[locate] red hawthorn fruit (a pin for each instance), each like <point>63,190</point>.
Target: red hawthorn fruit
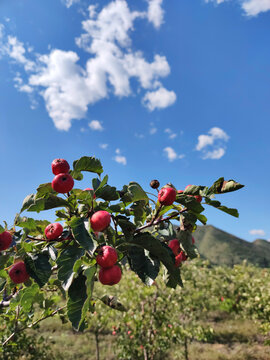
<point>180,191</point>
<point>5,240</point>
<point>107,256</point>
<point>222,298</point>
<point>89,189</point>
<point>114,333</point>
<point>60,166</point>
<point>100,220</point>
<point>53,231</point>
<point>18,273</point>
<point>198,198</point>
<point>180,258</point>
<point>175,246</point>
<point>110,276</point>
<point>62,183</point>
<point>166,196</point>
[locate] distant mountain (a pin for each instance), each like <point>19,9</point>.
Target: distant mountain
<point>222,248</point>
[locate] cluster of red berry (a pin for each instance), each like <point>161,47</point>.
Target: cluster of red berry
<point>110,273</point>
<point>179,254</point>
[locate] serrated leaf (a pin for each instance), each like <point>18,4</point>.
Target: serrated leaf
<point>88,163</point>
<point>28,201</point>
<point>45,189</point>
<point>185,239</point>
<point>190,203</point>
<point>80,234</point>
<point>201,218</point>
<point>38,267</point>
<point>50,202</point>
<point>77,296</point>
<point>161,252</point>
<point>222,186</point>
<point>137,192</point>
<point>53,252</point>
<point>89,273</point>
<point>194,190</point>
<point>107,193</point>
<point>113,302</point>
<point>28,297</point>
<point>217,205</point>
<point>145,267</point>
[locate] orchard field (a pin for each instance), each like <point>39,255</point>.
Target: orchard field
<point>220,313</point>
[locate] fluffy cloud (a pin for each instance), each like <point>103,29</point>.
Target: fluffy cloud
<point>96,125</point>
<point>103,146</point>
<point>255,7</point>
<point>155,12</point>
<point>159,99</point>
<point>171,154</point>
<point>69,3</point>
<point>120,158</point>
<point>212,145</point>
<point>171,134</point>
<point>68,89</point>
<point>250,7</point>
<point>257,232</point>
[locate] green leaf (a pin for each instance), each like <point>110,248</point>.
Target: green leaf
<point>65,263</point>
<point>80,234</point>
<point>45,189</point>
<point>201,218</point>
<point>52,252</point>
<point>161,252</point>
<point>77,296</point>
<point>127,226</point>
<point>1,229</point>
<point>217,205</point>
<point>107,193</point>
<point>50,202</point>
<point>33,226</point>
<point>145,267</point>
<point>86,163</point>
<point>38,267</point>
<point>113,303</point>
<point>2,284</point>
<point>28,201</point>
<point>185,239</point>
<point>190,203</point>
<point>97,184</point>
<point>194,190</point>
<point>89,273</point>
<point>28,297</point>
<point>137,192</point>
<point>222,186</point>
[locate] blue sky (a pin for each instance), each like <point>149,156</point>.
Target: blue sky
<point>173,90</point>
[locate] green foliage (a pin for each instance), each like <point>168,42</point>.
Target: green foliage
<point>65,268</point>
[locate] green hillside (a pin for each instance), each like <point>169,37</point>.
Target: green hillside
<point>222,248</point>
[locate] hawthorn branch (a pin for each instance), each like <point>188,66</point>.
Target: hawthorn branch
<point>32,325</point>
<point>160,220</point>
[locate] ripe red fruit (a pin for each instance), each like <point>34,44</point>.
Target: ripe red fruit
<point>175,246</point>
<point>180,258</point>
<point>18,273</point>
<point>198,198</point>
<point>62,183</point>
<point>107,256</point>
<point>5,240</point>
<point>110,276</point>
<point>53,231</point>
<point>166,196</point>
<point>180,191</point>
<point>100,220</point>
<point>60,166</point>
<point>187,186</point>
<point>89,189</point>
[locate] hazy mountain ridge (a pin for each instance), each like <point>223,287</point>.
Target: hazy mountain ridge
<point>222,248</point>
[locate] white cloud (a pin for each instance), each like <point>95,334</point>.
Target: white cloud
<point>103,146</point>
<point>155,12</point>
<point>68,88</point>
<point>250,7</point>
<point>96,125</point>
<point>159,99</point>
<point>171,154</point>
<point>153,130</point>
<point>215,140</point>
<point>139,136</point>
<point>255,7</point>
<point>120,158</point>
<point>171,134</point>
<point>69,3</point>
<point>257,232</point>
<point>15,49</point>
<point>214,154</point>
